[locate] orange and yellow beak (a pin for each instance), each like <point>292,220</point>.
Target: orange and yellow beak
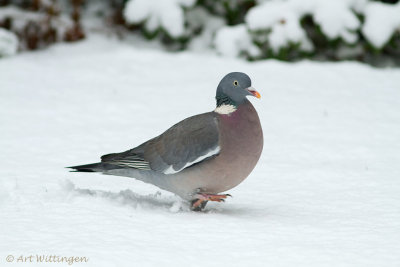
<point>253,91</point>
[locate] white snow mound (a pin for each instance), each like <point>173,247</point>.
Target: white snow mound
<point>231,41</point>
<point>166,14</point>
<point>8,43</point>
<point>381,21</point>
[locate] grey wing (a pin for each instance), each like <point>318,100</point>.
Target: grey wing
<point>129,159</point>
<point>188,142</point>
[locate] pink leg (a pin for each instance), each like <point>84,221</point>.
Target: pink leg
<point>200,200</point>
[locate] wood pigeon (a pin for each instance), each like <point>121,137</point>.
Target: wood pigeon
<point>201,156</point>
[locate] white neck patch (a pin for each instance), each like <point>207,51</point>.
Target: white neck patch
<point>225,109</point>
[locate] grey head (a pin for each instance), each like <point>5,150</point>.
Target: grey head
<point>233,89</point>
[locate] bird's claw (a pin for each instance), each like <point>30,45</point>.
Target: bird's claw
<point>200,200</point>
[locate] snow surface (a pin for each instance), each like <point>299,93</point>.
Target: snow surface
<point>325,192</point>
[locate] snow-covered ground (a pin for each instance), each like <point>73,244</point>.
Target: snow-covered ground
<point>326,191</point>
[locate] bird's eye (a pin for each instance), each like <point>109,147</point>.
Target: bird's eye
<point>235,83</point>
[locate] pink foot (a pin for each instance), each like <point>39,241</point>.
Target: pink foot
<point>200,200</point>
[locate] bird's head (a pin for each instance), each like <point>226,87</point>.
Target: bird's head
<point>233,89</point>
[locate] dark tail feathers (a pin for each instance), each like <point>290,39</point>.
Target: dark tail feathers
<point>94,167</point>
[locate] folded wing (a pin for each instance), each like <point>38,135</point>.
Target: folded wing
<point>188,142</point>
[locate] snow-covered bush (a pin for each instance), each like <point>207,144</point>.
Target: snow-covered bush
<point>282,21</point>
<point>200,21</point>
<point>184,20</point>
<point>280,26</point>
<point>340,29</point>
<point>158,16</point>
<point>382,21</point>
<point>37,23</point>
<point>232,11</point>
<point>8,43</point>
<point>234,41</point>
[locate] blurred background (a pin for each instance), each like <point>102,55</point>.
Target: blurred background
<point>290,30</point>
